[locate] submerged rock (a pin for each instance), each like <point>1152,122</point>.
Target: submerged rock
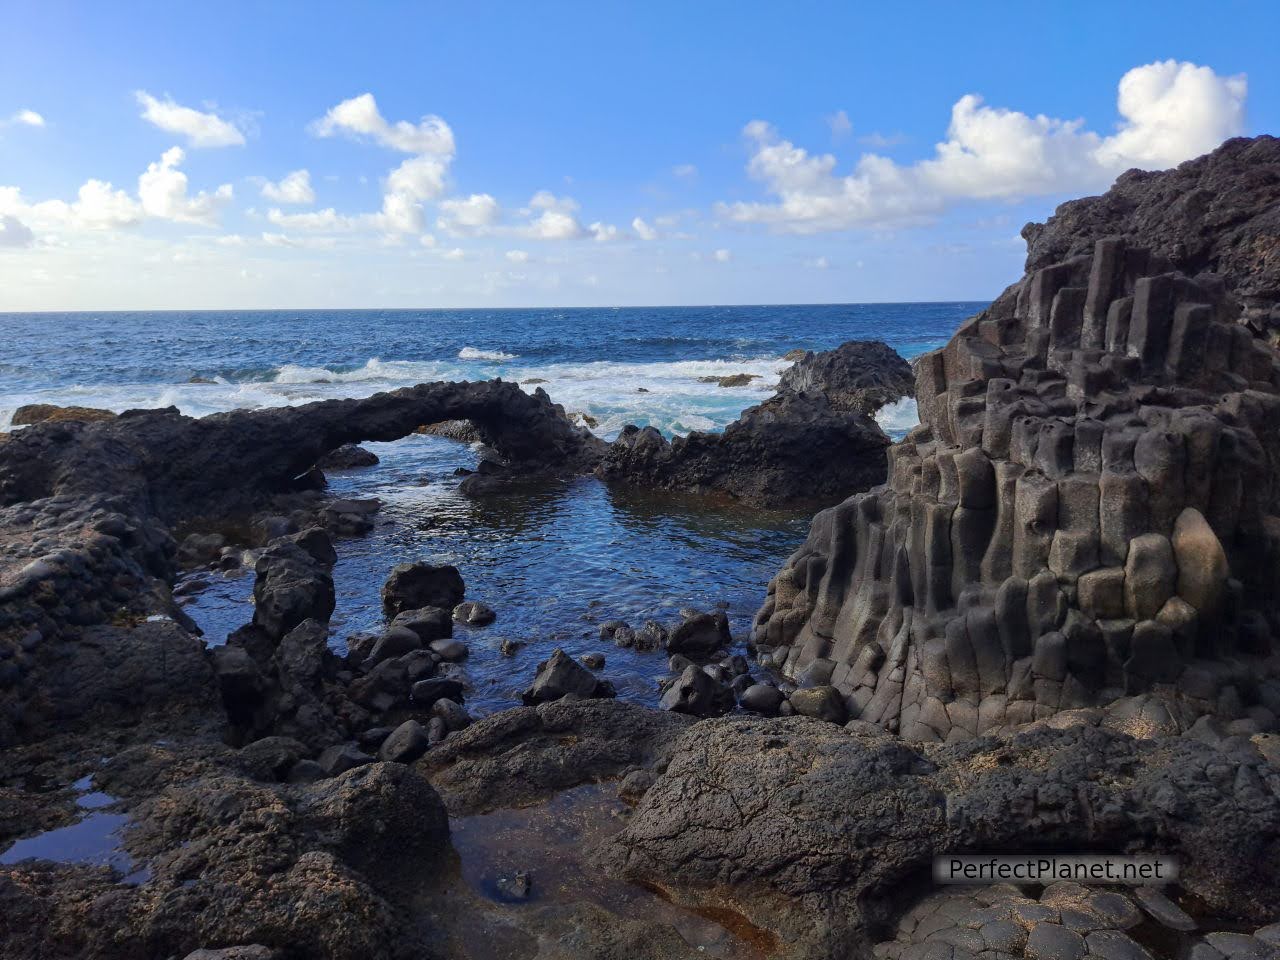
<point>474,614</point>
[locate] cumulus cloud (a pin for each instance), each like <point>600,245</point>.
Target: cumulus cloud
<point>604,232</point>
<point>419,178</point>
<point>327,220</point>
<point>518,256</point>
<point>1170,112</point>
<point>360,117</point>
<point>473,214</point>
<point>15,233</point>
<point>27,118</point>
<point>200,129</point>
<point>162,190</point>
<point>685,171</point>
<point>643,230</point>
<point>294,188</point>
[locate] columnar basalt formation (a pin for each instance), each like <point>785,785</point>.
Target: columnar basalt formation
<point>1086,511</point>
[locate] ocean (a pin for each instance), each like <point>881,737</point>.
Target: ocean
<point>555,562</point>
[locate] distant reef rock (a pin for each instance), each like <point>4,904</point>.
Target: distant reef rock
<point>812,443</point>
<point>49,413</point>
<point>1088,509</point>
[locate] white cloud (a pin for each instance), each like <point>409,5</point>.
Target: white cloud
<point>100,205</point>
<point>294,188</point>
<point>200,129</point>
<point>360,117</point>
<point>15,233</point>
<point>643,230</point>
<point>685,171</point>
<point>473,214</point>
<point>517,256</point>
<point>457,253</point>
<point>722,256</point>
<point>840,124</point>
<point>27,118</point>
<point>604,232</point>
<point>554,225</point>
<point>162,189</point>
<point>1171,112</point>
<point>327,220</point>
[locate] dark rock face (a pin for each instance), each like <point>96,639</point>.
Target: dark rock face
<point>861,375</point>
<point>698,693</point>
<point>293,584</point>
<point>701,635</point>
<point>792,448</point>
<point>561,676</point>
<point>1022,560</point>
<point>521,755</point>
<point>811,443</point>
<point>221,464</point>
<point>347,457</point>
<point>413,586</point>
<point>1219,213</point>
<point>810,830</point>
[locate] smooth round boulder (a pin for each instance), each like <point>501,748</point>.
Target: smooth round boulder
<point>821,703</point>
<point>761,698</point>
<point>406,743</point>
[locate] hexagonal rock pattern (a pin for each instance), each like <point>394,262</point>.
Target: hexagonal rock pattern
<point>1085,512</point>
<point>1066,921</point>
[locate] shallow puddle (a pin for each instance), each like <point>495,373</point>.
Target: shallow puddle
<point>538,856</point>
<point>93,840</point>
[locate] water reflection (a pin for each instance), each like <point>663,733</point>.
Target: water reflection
<point>555,560</point>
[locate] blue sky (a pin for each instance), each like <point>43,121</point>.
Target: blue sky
<point>584,153</point>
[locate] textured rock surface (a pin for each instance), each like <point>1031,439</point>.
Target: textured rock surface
<point>793,448</point>
<point>1220,212</point>
<point>813,831</point>
<point>861,375</point>
<point>1087,510</point>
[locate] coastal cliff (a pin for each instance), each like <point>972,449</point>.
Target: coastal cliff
<point>1088,509</point>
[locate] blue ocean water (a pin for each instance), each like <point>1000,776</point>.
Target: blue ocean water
<point>556,561</point>
<point>594,361</point>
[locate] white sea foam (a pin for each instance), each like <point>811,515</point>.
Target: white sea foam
<point>899,417</point>
<point>667,395</point>
<point>471,353</point>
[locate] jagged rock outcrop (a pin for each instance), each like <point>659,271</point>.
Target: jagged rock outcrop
<point>861,375</point>
<point>1087,510</point>
<point>183,468</point>
<point>1219,213</point>
<point>793,448</point>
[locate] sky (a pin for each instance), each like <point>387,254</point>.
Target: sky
<point>313,155</point>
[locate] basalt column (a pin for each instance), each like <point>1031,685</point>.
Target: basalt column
<point>1086,511</point>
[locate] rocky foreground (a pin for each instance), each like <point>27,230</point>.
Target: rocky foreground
<point>1050,629</point>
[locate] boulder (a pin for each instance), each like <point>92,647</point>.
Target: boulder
<point>429,623</point>
<point>291,586</point>
<point>406,743</point>
<point>559,676</point>
<point>347,457</point>
<point>474,614</point>
<point>697,693</point>
<point>700,635</point>
<point>821,703</point>
<point>412,586</point>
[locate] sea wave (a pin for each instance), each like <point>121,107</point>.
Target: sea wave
<point>472,353</point>
<point>898,418</point>
<point>374,370</point>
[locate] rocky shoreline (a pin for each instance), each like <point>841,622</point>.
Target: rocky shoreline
<point>1042,623</point>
